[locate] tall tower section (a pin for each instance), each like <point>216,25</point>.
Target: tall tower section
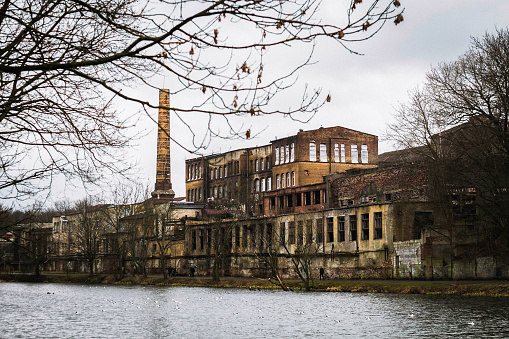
<point>163,188</point>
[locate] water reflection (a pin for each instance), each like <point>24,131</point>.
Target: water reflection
<point>74,311</point>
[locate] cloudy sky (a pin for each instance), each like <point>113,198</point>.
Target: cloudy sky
<point>365,89</point>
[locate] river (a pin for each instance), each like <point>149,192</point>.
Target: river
<point>32,310</point>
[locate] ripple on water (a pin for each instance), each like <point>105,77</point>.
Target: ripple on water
<point>74,311</point>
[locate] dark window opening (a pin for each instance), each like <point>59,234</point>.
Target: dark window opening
<point>330,229</point>
<point>319,231</point>
<point>316,197</point>
<point>353,227</point>
<point>244,236</point>
<point>365,226</point>
<point>282,233</point>
<point>269,235</point>
<point>341,228</point>
<point>307,198</point>
<point>298,199</point>
<point>300,232</point>
<point>289,201</point>
<point>272,203</point>
<point>421,221</point>
<point>309,231</point>
<point>378,226</point>
<point>291,232</point>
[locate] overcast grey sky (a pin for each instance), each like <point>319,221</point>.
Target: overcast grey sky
<point>364,89</point>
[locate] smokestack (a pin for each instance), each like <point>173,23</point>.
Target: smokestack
<point>163,167</point>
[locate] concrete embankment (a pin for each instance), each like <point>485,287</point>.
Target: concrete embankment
<point>463,288</point>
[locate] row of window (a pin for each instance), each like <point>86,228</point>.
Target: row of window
<point>339,153</point>
<point>194,172</point>
<point>293,233</point>
<point>194,194</point>
<point>282,180</point>
<point>262,184</point>
<point>284,154</point>
<point>299,235</point>
<point>261,164</point>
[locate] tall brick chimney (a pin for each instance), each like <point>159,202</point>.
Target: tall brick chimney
<point>163,171</point>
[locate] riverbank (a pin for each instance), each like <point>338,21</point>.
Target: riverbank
<point>460,288</point>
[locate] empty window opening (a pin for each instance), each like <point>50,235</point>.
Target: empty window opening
<point>365,226</point>
<point>353,227</point>
<point>341,228</point>
<point>330,229</point>
<point>378,226</point>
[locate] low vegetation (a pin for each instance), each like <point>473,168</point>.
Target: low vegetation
<point>458,288</point>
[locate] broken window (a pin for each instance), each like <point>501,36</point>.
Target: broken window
<point>257,185</point>
<point>289,201</point>
<point>298,199</point>
<point>276,162</point>
<point>287,159</point>
<point>272,202</point>
<point>378,225</point>
<point>193,240</point>
<point>267,162</point>
<point>309,231</point>
<point>282,233</point>
<point>237,236</point>
<point>256,165</point>
<point>312,151</point>
<point>365,226</point>
<point>261,164</point>
<point>319,231</point>
<point>269,235</point>
<point>353,227</point>
<point>330,229</point>
<point>421,221</point>
<point>323,153</point>
<point>244,236</point>
<point>300,232</point>
<point>292,152</point>
<point>316,197</point>
<point>341,228</point>
<point>307,198</point>
<point>291,232</point>
<point>354,156</point>
<point>364,154</point>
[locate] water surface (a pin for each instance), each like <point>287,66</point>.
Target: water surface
<point>31,310</point>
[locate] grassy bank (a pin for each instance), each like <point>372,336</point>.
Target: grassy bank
<point>461,288</point>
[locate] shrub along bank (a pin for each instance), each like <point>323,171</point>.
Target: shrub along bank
<point>462,288</point>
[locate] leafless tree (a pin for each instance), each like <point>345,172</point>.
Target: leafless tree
<point>125,199</point>
<point>64,64</point>
<point>89,232</point>
<point>458,123</point>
